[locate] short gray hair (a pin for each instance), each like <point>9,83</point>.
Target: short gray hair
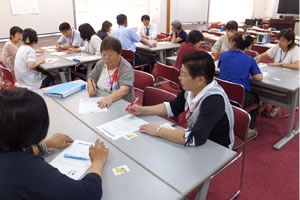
<point>176,24</point>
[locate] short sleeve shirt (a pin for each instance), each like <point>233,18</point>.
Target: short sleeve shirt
<point>182,34</point>
<point>278,56</point>
<point>127,37</point>
<point>74,40</point>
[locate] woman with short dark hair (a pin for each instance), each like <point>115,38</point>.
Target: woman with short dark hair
<point>112,74</point>
<point>106,28</point>
<point>92,46</point>
<point>202,102</point>
<point>23,173</point>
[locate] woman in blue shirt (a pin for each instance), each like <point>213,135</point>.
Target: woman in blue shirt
<point>236,66</point>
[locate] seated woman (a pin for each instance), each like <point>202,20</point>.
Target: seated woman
<point>193,42</point>
<point>236,66</point>
<point>112,74</point>
<point>106,28</point>
<point>23,173</point>
<point>222,44</point>
<point>285,54</point>
<point>92,46</point>
<point>204,104</point>
<point>10,48</point>
<point>26,67</point>
<point>178,35</point>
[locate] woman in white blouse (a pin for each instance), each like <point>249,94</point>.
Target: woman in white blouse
<point>92,46</point>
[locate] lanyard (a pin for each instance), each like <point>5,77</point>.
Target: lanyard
<point>72,37</point>
<point>183,118</point>
<point>281,59</point>
<point>114,76</point>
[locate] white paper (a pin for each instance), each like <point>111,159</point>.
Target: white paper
<point>122,126</point>
<point>21,7</point>
<point>49,47</point>
<point>74,57</point>
<point>61,53</point>
<point>89,105</point>
<point>261,65</point>
<point>51,50</point>
<point>51,60</point>
<point>73,168</point>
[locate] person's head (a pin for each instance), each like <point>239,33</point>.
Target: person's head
<point>146,20</point>
<point>15,34</point>
<point>198,70</point>
<point>86,31</point>
<point>111,50</point>
<point>240,42</point>
<point>231,28</point>
<point>176,26</point>
<point>195,37</point>
<point>122,20</point>
<point>24,119</point>
<point>106,27</point>
<point>286,38</point>
<point>29,36</point>
<point>65,29</point>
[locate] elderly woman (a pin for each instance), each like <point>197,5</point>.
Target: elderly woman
<point>285,54</point>
<point>23,173</point>
<point>222,44</point>
<point>203,104</point>
<point>112,74</point>
<point>178,35</point>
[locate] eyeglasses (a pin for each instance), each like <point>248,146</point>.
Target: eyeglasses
<point>183,74</point>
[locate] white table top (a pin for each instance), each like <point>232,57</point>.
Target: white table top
<point>137,184</point>
<point>60,63</point>
<point>159,46</point>
<point>183,168</point>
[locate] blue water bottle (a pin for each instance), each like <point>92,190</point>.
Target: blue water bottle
<point>222,28</point>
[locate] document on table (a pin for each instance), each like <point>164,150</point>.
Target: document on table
<point>60,53</point>
<point>49,47</point>
<point>51,60</point>
<point>122,126</point>
<point>73,168</point>
<point>89,105</point>
<point>78,57</point>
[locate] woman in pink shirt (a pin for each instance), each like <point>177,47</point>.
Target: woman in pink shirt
<point>10,48</point>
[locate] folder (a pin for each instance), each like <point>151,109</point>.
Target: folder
<point>64,90</point>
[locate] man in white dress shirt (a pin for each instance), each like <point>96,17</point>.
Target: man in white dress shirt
<point>148,30</point>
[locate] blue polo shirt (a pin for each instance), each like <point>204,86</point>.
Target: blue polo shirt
<point>127,37</point>
<point>236,66</point>
<point>182,34</point>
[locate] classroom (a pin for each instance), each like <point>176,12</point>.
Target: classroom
<point>149,99</point>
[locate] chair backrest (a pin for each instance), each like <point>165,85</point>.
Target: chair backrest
<point>129,56</point>
<point>241,123</point>
<point>168,72</point>
<point>214,26</point>
<point>234,91</point>
<point>153,96</point>
<point>6,74</point>
<point>142,79</point>
<point>251,53</point>
<point>161,36</point>
<point>220,25</point>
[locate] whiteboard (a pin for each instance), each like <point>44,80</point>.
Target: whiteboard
<point>51,14</point>
<point>189,10</point>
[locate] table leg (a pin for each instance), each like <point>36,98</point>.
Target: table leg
<point>203,189</point>
<point>62,76</point>
<point>162,57</point>
<point>290,132</point>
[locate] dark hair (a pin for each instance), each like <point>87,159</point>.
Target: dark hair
<point>145,17</point>
<point>64,26</point>
<point>29,36</point>
<point>241,41</point>
<point>105,26</point>
<point>13,30</point>
<point>111,43</point>
<point>121,19</point>
<point>232,25</point>
<point>194,36</point>
<point>199,63</point>
<point>289,35</point>
<point>86,31</point>
<point>24,119</point>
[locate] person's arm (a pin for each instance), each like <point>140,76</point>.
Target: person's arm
<point>255,71</point>
<point>258,77</point>
<point>262,56</point>
<point>159,109</point>
<point>145,42</point>
<point>294,65</point>
<point>116,95</point>
<point>216,49</point>
<point>91,87</point>
<point>33,65</point>
<point>165,39</point>
<point>74,50</point>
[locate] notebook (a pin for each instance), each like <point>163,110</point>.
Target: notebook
<point>64,90</point>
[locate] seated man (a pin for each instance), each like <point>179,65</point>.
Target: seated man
<point>128,38</point>
<point>178,35</point>
<point>70,38</point>
<point>148,30</point>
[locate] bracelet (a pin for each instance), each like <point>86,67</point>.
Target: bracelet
<point>157,130</point>
<point>43,149</point>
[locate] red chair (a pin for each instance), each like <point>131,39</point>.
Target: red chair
<point>265,26</point>
<point>154,96</point>
<point>218,34</point>
<point>260,49</point>
<point>169,75</point>
<point>220,25</point>
<point>161,36</point>
<point>141,80</point>
<point>214,26</point>
<point>129,56</point>
<point>251,53</point>
<point>8,77</point>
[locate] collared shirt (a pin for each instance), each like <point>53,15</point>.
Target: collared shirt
<point>289,57</point>
<point>184,48</point>
<point>221,44</point>
<point>8,55</point>
<point>74,40</point>
<point>127,37</point>
<point>93,46</point>
<point>182,34</point>
<point>142,30</point>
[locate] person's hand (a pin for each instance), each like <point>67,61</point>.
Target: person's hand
<point>153,44</point>
<point>145,37</point>
<point>91,87</point>
<point>158,40</point>
<point>71,50</point>
<point>42,60</point>
<point>58,140</point>
<point>40,51</point>
<point>150,129</point>
<point>105,102</point>
<point>275,64</point>
<point>98,152</point>
<point>134,109</point>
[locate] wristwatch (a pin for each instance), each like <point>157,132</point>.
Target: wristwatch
<point>43,149</point>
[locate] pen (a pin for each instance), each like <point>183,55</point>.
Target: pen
<point>92,84</point>
<point>75,157</point>
<point>136,99</point>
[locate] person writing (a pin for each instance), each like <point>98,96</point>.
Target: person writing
<point>70,38</point>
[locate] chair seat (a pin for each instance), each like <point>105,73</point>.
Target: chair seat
<point>253,106</point>
<point>168,87</point>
